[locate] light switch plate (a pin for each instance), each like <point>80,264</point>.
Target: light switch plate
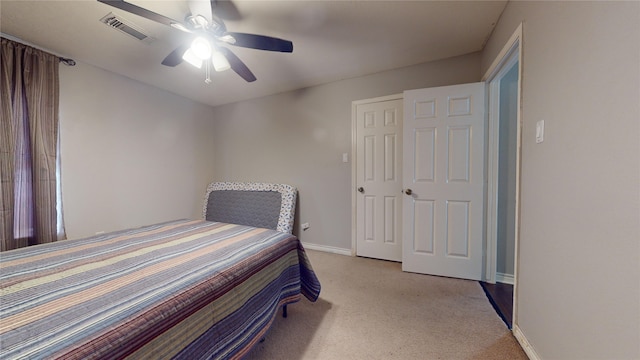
<point>539,131</point>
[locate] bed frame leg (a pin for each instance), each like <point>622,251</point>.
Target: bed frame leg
<point>284,311</point>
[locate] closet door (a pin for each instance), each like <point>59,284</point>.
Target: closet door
<point>378,127</point>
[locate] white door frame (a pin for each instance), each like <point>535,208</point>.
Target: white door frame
<point>511,52</point>
<point>354,178</point>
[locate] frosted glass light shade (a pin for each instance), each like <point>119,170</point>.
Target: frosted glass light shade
<point>192,59</point>
<point>220,62</point>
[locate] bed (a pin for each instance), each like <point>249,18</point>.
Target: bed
<point>188,289</point>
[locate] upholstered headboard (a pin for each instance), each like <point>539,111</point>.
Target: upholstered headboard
<point>263,205</point>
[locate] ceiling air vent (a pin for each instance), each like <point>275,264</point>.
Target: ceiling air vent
<point>125,26</point>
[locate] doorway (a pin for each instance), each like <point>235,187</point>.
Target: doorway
<point>501,292</point>
<point>503,179</point>
<point>507,152</point>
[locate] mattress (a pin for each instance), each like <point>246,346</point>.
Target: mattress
<point>187,289</point>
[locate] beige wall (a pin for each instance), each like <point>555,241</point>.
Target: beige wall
<point>299,138</point>
<point>131,154</point>
<point>579,258</point>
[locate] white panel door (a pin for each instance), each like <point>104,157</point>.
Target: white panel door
<point>379,180</point>
<point>443,181</point>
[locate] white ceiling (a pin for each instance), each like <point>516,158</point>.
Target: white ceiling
<point>332,40</point>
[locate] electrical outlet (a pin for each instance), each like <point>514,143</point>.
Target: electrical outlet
<point>305,226</point>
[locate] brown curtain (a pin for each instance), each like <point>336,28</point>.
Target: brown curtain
<point>28,138</point>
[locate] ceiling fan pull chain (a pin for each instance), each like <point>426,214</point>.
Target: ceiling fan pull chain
<point>207,69</point>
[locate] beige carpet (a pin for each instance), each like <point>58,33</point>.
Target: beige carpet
<point>370,309</point>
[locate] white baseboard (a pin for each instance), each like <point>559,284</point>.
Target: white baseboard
<point>329,249</point>
<point>504,278</point>
<point>524,343</point>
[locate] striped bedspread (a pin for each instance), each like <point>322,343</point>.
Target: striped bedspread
<point>182,289</point>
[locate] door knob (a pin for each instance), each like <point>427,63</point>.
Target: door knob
<point>361,189</point>
<point>408,192</point>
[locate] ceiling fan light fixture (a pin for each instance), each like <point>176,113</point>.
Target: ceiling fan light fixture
<point>220,63</point>
<point>192,59</point>
<point>212,30</point>
<point>201,48</point>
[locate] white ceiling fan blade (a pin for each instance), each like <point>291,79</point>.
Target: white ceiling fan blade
<point>200,7</point>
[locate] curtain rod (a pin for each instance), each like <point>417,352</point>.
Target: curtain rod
<point>64,60</point>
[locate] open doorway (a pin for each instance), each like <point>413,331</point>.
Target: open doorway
<point>506,180</point>
<point>501,292</point>
<point>503,171</point>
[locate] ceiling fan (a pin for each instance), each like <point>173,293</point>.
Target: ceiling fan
<point>207,32</point>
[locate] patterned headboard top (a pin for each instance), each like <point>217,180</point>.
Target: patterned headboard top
<point>264,205</point>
